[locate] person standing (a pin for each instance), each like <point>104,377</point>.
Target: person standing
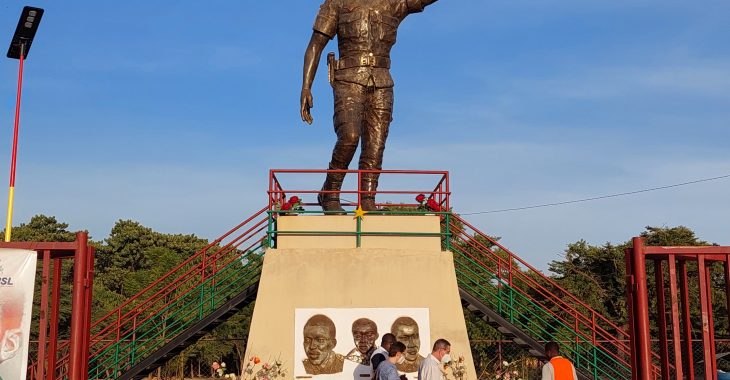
<point>431,367</point>
<point>558,367</point>
<point>381,353</point>
<point>386,370</point>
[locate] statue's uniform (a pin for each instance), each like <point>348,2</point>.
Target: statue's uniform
<point>363,87</point>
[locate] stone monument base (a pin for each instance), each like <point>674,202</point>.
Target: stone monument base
<point>411,292</point>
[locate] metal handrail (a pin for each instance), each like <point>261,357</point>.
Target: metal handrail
<point>592,321</point>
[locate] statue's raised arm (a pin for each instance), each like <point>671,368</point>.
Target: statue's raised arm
<point>362,84</point>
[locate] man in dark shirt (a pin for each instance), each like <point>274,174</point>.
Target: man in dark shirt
<point>381,353</point>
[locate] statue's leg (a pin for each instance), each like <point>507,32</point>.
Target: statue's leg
<point>378,115</point>
<point>349,107</point>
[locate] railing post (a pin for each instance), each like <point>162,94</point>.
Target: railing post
<point>358,232</point>
<point>78,307</point>
<point>641,311</point>
<point>676,332</point>
<point>448,232</point>
<point>55,305</point>
<point>686,323</point>
<point>595,344</point>
<point>43,330</point>
<point>706,314</point>
<point>661,309</point>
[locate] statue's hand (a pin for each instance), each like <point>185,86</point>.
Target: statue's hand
<point>306,104</point>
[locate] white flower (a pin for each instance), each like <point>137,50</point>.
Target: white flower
<point>505,363</point>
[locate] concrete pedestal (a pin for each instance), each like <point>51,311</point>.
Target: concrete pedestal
<point>326,275</point>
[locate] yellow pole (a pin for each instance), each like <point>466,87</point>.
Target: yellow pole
<point>9,224</point>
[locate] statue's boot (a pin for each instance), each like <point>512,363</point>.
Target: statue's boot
<point>369,185</point>
<point>330,201</point>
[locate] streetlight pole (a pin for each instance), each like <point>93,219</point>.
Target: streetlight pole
<point>19,48</point>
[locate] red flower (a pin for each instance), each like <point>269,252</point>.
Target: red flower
<point>420,198</point>
<point>256,360</point>
<point>294,199</point>
<point>286,206</point>
<point>432,205</point>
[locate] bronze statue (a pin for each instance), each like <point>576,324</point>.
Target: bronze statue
<point>405,330</point>
<point>364,333</point>
<point>319,340</point>
<point>363,88</point>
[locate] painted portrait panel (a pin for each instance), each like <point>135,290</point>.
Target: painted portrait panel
<point>334,343</point>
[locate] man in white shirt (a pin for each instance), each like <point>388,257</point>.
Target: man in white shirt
<point>431,368</point>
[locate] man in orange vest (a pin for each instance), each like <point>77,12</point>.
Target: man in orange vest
<point>558,368</point>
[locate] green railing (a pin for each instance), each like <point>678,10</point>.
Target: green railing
<point>535,321</point>
<point>445,233</point>
<point>143,325</point>
<point>490,276</point>
<point>195,303</point>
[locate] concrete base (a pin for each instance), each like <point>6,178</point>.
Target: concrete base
<point>343,279</point>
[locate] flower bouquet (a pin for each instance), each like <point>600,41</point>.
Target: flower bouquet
<point>427,205</point>
<point>292,206</point>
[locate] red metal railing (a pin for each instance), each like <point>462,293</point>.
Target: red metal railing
<point>588,324</point>
<point>162,293</point>
<point>676,259</point>
<point>440,191</point>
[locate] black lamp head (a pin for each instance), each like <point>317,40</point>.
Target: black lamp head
<point>25,32</point>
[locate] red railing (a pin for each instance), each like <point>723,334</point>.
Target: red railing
<point>162,292</point>
<point>532,283</point>
<point>674,260</point>
<point>440,192</point>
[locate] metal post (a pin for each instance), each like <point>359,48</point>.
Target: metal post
<point>630,301</point>
<point>43,324</point>
<point>676,332</point>
<point>359,188</point>
<point>706,338</point>
<point>727,285</point>
<point>78,299</point>
<point>55,305</point>
<point>711,320</point>
<point>661,309</point>
<point>686,323</point>
<point>87,311</point>
<point>14,155</point>
<point>641,312</point>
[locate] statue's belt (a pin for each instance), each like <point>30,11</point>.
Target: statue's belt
<point>365,60</point>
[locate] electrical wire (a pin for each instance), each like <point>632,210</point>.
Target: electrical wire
<point>598,197</point>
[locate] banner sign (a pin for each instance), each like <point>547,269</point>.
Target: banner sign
<point>17,279</point>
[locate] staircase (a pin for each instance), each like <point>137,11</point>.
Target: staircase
<point>529,308</point>
<point>178,308</point>
<point>509,294</point>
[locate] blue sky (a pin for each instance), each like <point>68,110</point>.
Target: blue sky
<point>171,113</point>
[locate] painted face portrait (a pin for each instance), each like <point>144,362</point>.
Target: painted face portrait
<point>405,330</point>
<point>319,341</point>
<point>364,333</point>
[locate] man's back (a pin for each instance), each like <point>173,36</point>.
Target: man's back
<point>559,368</point>
<point>386,371</point>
